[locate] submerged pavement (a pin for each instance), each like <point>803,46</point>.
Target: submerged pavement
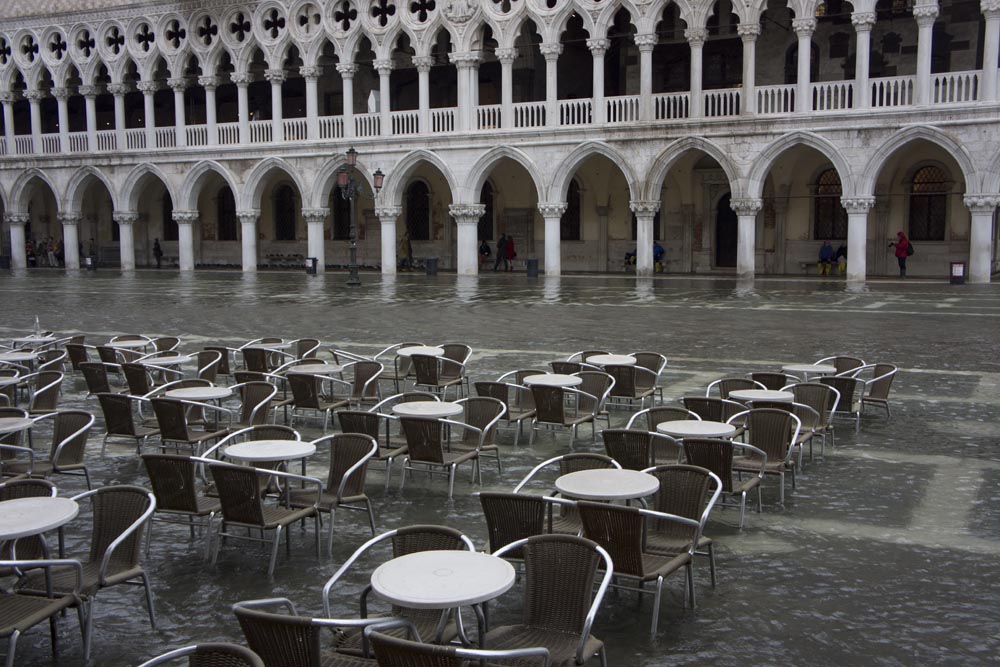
<point>886,553</point>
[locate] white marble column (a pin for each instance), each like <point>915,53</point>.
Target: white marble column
<point>857,236</point>
<point>311,76</point>
<point>148,90</point>
<point>645,214</point>
<point>90,94</point>
<point>863,24</point>
<point>209,84</point>
<point>506,58</point>
<point>178,85</point>
<point>467,247</point>
<point>552,214</point>
<point>981,207</point>
<point>696,40</point>
<point>748,33</point>
<point>276,77</point>
<point>242,81</point>
<point>18,255</point>
<point>925,16</point>
<point>646,43</point>
<point>119,90</point>
<point>248,229</point>
<point>347,72</point>
<point>746,212</point>
<point>387,219</point>
<point>7,100</point>
<point>62,109</point>
<point>598,47</point>
<point>71,238</point>
<point>384,69</point>
<point>185,238</point>
<point>550,51</point>
<point>126,239</point>
<point>35,98</point>
<point>466,113</point>
<point>315,219</point>
<point>423,65</point>
<point>803,86</point>
<point>991,49</point>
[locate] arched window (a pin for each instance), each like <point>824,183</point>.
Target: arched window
<point>225,214</point>
<point>928,204</point>
<point>418,211</point>
<point>829,216</point>
<point>284,213</point>
<point>169,226</point>
<point>486,222</point>
<point>569,224</point>
<point>341,208</point>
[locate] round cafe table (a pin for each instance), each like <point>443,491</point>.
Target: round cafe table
<point>253,451</point>
<point>315,369</point>
<point>611,360</point>
<point>18,357</point>
<point>805,370</point>
<point>690,428</point>
<point>430,409</point>
<point>22,517</point>
<point>268,346</point>
<point>746,395</point>
<point>607,484</point>
<point>129,344</point>
<point>553,380</point>
<point>426,350</point>
<point>33,340</point>
<point>200,393</point>
<point>167,360</point>
<point>15,424</point>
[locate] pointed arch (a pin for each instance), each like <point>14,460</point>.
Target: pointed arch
<point>249,198</point>
<point>675,151</point>
<point>765,160</point>
<point>325,180</point>
<point>16,202</point>
<point>565,171</point>
<point>400,174</point>
<point>72,200</point>
<point>560,21</point>
<point>484,165</point>
<point>866,182</point>
<point>187,199</point>
<point>128,194</point>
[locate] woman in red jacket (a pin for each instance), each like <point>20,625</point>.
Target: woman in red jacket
<point>902,245</point>
<point>510,253</point>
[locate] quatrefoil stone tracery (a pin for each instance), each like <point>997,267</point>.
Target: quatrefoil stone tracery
<point>382,11</point>
<point>345,15</point>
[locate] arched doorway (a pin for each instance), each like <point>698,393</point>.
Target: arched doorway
<point>726,225</point>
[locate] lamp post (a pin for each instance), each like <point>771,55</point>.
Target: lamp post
<point>349,190</point>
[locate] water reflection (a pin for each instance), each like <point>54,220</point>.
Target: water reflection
<point>551,288</point>
<point>467,288</point>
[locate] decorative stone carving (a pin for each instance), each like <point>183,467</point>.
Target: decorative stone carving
<point>388,213</point>
<point>598,47</point>
<point>465,59</point>
<point>926,14</point>
<point>644,208</point>
<point>70,218</point>
<point>248,217</point>
<point>459,11</point>
<point>865,21</point>
<point>857,204</point>
<point>467,212</point>
<point>7,97</point>
<point>208,82</point>
<point>148,87</point>
<point>748,32</point>
<point>178,83</point>
<point>647,41</point>
<point>60,93</point>
<point>119,89</point>
<point>804,27</point>
<point>35,95</point>
<point>313,215</point>
<point>695,36</point>
<point>186,217</point>
<point>980,203</point>
<point>347,70</point>
<point>746,206</point>
<point>17,218</point>
<point>552,209</point>
<point>382,66</point>
<point>241,78</point>
<point>90,91</point>
<point>423,63</point>
<point>125,217</point>
<point>550,50</point>
<point>275,75</point>
<point>310,72</point>
<point>508,56</point>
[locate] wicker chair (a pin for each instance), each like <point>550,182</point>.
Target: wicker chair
<point>633,384</point>
<point>878,386</point>
<point>395,652</point>
<point>570,367</point>
<point>177,498</point>
<point>521,408</point>
<point>255,403</point>
<point>32,546</point>
<point>45,389</point>
<point>208,362</point>
<point>599,384</point>
<point>120,420</point>
<point>772,380</point>
<point>119,517</point>
<point>851,391</point>
<point>426,449</point>
<point>843,364</point>
<point>258,359</point>
<point>225,367</point>
<point>484,413</point>
<point>511,517</point>
<point>716,455</point>
<point>559,605</point>
<point>95,374</point>
<point>655,362</point>
<point>636,449</point>
<point>650,417</point>
<point>305,348</point>
<point>621,531</point>
<point>568,521</point>
<point>209,655</point>
<point>306,395</point>
<point>716,409</point>
<point>78,353</point>
<point>172,420</point>
<point>364,377</point>
<point>561,408</point>
<point>70,429</point>
<point>345,481</point>
<point>775,432</point>
<point>51,360</point>
<point>583,355</point>
<point>438,374</point>
<point>390,446</point>
<point>239,489</point>
<point>824,400</point>
<point>166,343</point>
<point>730,384</point>
<point>407,540</point>
<point>396,370</point>
<point>138,378</point>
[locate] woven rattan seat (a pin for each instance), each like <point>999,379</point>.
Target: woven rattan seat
<point>483,413</point>
<point>120,420</point>
<point>70,430</point>
<point>209,655</point>
<point>426,450</point>
<point>516,399</point>
<point>177,498</point>
<point>390,446</point>
<point>396,652</point>
<point>19,612</point>
<point>773,432</point>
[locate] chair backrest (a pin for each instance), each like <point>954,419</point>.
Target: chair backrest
<point>497,390</point>
<point>255,359</point>
<point>511,517</point>
<point>771,430</point>
<point>209,364</point>
<point>625,380</point>
<point>305,390</point>
<point>239,493</point>
<point>108,355</point>
<point>51,360</point>
<point>223,368</point>
<point>653,361</point>
<point>879,386</point>
<point>364,384</point>
<point>630,447</point>
<point>392,651</point>
<point>27,487</point>
<point>117,409</point>
<point>566,367</point>
<point>46,393</point>
<point>270,432</point>
<point>683,492</point>
<point>70,431</point>
<point>171,418</point>
<point>845,363</point>
<point>818,396</point>
<point>559,574</point>
<point>583,355</point>
<point>173,480</point>
<point>279,639</point>
<point>422,537</point>
<point>360,421</point>
<point>771,380</point>
<point>95,374</point>
<point>730,384</point>
<point>255,397</point>
<point>166,343</point>
<point>708,408</point>
<point>348,450</point>
<point>305,348</point>
<point>849,390</point>
<point>209,654</point>
<point>550,403</point>
<point>118,511</point>
<point>138,379</point>
<point>619,530</point>
<point>426,369</point>
<point>711,454</point>
<point>15,438</point>
<point>481,412</point>
<point>457,352</point>
<point>650,417</point>
<point>567,463</point>
<point>77,353</point>
<point>423,439</point>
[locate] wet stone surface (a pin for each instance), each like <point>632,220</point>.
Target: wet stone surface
<point>886,553</point>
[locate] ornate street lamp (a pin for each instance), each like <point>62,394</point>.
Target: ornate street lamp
<point>349,190</point>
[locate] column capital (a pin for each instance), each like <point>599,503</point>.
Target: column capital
<point>314,215</point>
<point>119,89</point>
<point>177,83</point>
<point>347,70</point>
<point>644,208</point>
<point>125,217</point>
<point>275,75</point>
<point>248,217</point>
<point>507,56</point>
<point>748,32</point>
<point>313,72</point>
<point>70,218</point>
<point>804,27</point>
<point>857,204</point>
<point>7,97</point>
<point>35,95</point>
<point>598,47</point>
<point>646,41</point>
<point>60,93</point>
<point>981,203</point>
<point>89,91</point>
<point>241,79</point>
<point>990,8</point>
<point>208,82</point>
<point>423,63</point>
<point>466,212</point>
<point>551,209</point>
<point>550,50</point>
<point>186,217</point>
<point>382,66</point>
<point>695,36</point>
<point>388,213</point>
<point>746,206</point>
<point>17,218</point>
<point>148,87</point>
<point>865,21</point>
<point>926,14</point>
<point>465,59</point>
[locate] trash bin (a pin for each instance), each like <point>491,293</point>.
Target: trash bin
<point>90,263</point>
<point>531,266</point>
<point>431,265</point>
<point>311,265</point>
<point>958,273</point>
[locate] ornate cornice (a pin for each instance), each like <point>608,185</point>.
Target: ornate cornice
<point>466,212</point>
<point>125,217</point>
<point>981,203</point>
<point>186,217</point>
<point>746,206</point>
<point>551,209</point>
<point>644,208</point>
<point>857,204</point>
<point>315,215</point>
<point>388,214</point>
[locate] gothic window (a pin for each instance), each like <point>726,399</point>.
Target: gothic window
<point>928,204</point>
<point>486,221</point>
<point>341,208</point>
<point>418,211</point>
<point>829,216</point>
<point>284,213</point>
<point>169,226</point>
<point>569,224</point>
<point>225,210</point>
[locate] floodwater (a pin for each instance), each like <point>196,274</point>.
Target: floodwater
<point>885,554</point>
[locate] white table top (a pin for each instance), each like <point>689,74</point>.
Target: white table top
<point>442,579</point>
<point>18,356</point>
<point>167,360</point>
<point>611,360</point>
<point>762,395</point>
<point>30,340</point>
<point>270,450</point>
<point>129,343</point>
<point>427,409</point>
<point>607,484</point>
<point>6,381</point>
<point>269,346</point>
<point>15,424</point>
<point>815,369</point>
<point>200,393</point>
<point>315,369</point>
<point>690,428</point>
<point>420,349</point>
<point>30,516</point>
<point>553,380</point>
